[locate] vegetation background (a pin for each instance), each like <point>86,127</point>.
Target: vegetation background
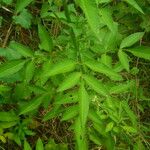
<point>74,74</point>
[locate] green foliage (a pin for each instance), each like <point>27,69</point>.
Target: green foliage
<point>23,19</point>
<point>75,74</point>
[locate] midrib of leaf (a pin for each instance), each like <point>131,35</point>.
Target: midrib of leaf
<point>91,12</point>
<point>5,72</point>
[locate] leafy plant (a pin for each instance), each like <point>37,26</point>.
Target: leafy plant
<point>81,67</point>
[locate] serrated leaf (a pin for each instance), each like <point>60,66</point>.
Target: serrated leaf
<point>107,18</point>
<point>39,144</point>
<point>95,85</point>
<point>134,4</point>
<point>46,42</point>
<point>131,39</point>
<point>27,146</point>
<point>69,97</point>
<point>11,67</point>
<point>8,2</point>
<point>32,105</point>
<point>123,58</point>
<point>53,113</point>
<point>70,113</point>
<point>130,113</point>
<point>101,68</point>
<point>61,67</point>
<point>8,116</point>
<point>95,138</point>
<point>109,126</point>
<point>70,81</point>
<point>130,129</point>
<point>21,4</point>
<point>106,60</point>
<point>94,117</point>
<point>91,12</point>
<point>5,125</point>
<point>21,49</point>
<point>29,71</point>
<point>121,88</point>
<point>141,52</point>
<point>80,135</point>
<point>23,19</point>
<point>83,105</point>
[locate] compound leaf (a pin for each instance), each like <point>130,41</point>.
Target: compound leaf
<point>21,49</point>
<point>11,67</point>
<point>131,39</point>
<point>95,85</point>
<point>141,52</point>
<point>83,105</point>
<point>69,81</point>
<point>46,42</point>
<point>123,58</point>
<point>101,68</point>
<point>21,4</point>
<point>61,67</point>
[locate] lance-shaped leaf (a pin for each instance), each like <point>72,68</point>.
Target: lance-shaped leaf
<point>92,15</point>
<point>46,42</point>
<point>134,4</point>
<point>69,97</point>
<point>27,146</point>
<point>121,88</point>
<point>106,60</point>
<point>5,125</point>
<point>53,113</point>
<point>141,52</point>
<point>32,105</point>
<point>107,18</point>
<point>131,39</point>
<point>21,4</point>
<point>39,145</point>
<point>123,58</point>
<point>70,112</point>
<point>83,105</point>
<point>21,49</point>
<point>11,67</point>
<point>29,71</point>
<point>101,68</point>
<point>69,81</point>
<point>8,116</point>
<point>109,126</point>
<point>61,67</point>
<point>81,141</point>
<point>95,85</point>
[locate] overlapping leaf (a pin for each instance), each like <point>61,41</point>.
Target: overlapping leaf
<point>95,85</point>
<point>61,67</point>
<point>101,68</point>
<point>69,81</point>
<point>11,67</point>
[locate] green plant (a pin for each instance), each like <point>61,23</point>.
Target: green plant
<point>83,71</point>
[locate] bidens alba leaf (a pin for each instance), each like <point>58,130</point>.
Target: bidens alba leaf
<point>69,81</point>
<point>45,39</point>
<point>11,67</point>
<point>21,49</point>
<point>32,105</point>
<point>123,58</point>
<point>131,39</point>
<point>61,67</point>
<point>83,105</point>
<point>95,85</point>
<point>134,4</point>
<point>141,52</point>
<point>101,68</point>
<point>21,4</point>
